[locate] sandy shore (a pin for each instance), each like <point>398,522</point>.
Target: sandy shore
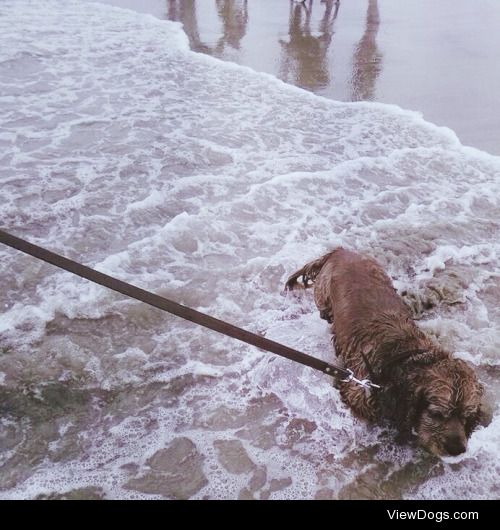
<point>439,58</point>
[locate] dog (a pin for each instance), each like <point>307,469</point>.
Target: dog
<point>424,390</point>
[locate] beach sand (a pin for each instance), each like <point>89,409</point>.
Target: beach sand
<point>439,58</point>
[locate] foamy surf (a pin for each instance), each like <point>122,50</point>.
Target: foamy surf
<point>209,183</point>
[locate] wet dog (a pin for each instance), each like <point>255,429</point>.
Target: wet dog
<point>425,391</point>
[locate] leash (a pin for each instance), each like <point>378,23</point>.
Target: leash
<point>207,321</point>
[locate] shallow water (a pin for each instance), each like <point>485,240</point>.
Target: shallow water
<point>209,183</point>
<point>436,57</point>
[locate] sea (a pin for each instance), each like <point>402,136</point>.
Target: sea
<point>209,183</point>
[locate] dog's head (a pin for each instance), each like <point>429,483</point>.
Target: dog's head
<point>449,407</point>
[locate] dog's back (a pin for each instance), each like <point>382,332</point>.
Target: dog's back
<point>354,293</point>
<point>350,286</point>
<point>356,289</point>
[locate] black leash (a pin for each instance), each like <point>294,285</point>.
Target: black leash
<point>179,310</point>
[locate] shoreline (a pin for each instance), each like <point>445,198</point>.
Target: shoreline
<point>365,50</point>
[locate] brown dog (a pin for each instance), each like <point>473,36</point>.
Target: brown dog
<point>424,389</point>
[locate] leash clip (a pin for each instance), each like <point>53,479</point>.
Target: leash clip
<point>365,383</point>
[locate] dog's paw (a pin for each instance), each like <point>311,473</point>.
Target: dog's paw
<point>485,415</point>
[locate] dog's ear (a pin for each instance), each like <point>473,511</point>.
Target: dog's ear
<point>420,401</point>
<point>409,415</point>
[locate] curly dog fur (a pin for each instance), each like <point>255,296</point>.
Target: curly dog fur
<point>424,389</point>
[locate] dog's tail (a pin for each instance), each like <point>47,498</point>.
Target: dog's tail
<point>308,273</point>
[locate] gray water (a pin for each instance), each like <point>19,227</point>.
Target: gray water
<point>209,183</point>
<point>436,57</point>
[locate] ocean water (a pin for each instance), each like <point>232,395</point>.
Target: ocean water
<point>209,183</point>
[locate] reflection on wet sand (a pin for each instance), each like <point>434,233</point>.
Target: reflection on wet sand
<point>367,59</point>
<point>184,11</point>
<point>304,54</point>
<point>234,17</point>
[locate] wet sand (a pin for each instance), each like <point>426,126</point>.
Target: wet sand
<point>440,58</point>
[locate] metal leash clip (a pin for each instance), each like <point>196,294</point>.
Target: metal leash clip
<point>365,383</point>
